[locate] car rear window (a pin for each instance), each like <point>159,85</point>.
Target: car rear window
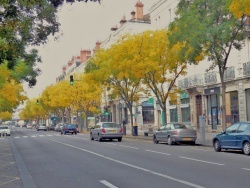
<point>71,126</point>
<point>181,126</point>
<point>110,125</point>
<point>4,127</point>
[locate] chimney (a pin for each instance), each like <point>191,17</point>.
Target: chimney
<point>132,15</point>
<point>64,69</point>
<point>123,21</point>
<point>114,28</point>
<point>97,47</point>
<point>84,55</point>
<point>139,11</point>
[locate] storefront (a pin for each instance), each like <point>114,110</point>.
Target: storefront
<point>185,108</point>
<point>248,104</point>
<point>213,107</point>
<point>232,108</point>
<point>148,112</point>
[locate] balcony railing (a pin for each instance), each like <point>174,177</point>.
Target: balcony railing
<point>196,80</point>
<point>229,73</point>
<point>246,69</point>
<point>210,78</point>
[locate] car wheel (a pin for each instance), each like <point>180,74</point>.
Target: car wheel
<point>246,148</point>
<point>91,137</point>
<point>99,138</point>
<point>192,143</point>
<point>170,141</point>
<point>75,133</point>
<point>155,140</point>
<point>119,139</point>
<point>217,146</point>
<point>61,133</point>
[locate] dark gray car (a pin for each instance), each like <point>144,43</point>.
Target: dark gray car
<point>106,130</point>
<point>175,132</point>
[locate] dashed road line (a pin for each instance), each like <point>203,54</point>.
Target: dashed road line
<point>128,147</point>
<point>245,169</point>
<point>107,184</point>
<point>157,152</point>
<point>202,161</point>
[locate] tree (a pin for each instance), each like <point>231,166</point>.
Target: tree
<point>162,66</point>
<point>11,92</point>
<point>86,96</point>
<point>209,27</point>
<point>119,70</point>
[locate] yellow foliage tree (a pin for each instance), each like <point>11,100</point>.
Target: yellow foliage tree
<point>240,8</point>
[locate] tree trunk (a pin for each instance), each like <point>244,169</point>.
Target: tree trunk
<point>223,105</point>
<point>131,118</point>
<point>164,114</point>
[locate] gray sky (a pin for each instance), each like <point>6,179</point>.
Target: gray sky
<point>82,25</point>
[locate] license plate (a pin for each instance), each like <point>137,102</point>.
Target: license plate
<point>187,139</point>
<point>112,131</point>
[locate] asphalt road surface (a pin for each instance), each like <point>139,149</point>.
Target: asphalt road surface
<point>46,159</point>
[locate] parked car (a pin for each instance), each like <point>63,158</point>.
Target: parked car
<point>5,130</point>
<point>175,132</point>
<point>69,128</point>
<point>106,130</point>
<point>236,137</point>
<point>42,126</point>
<point>59,127</point>
<point>29,126</point>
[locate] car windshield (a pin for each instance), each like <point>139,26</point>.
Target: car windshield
<point>110,125</point>
<point>4,127</point>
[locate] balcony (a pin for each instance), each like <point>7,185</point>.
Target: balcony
<point>210,78</point>
<point>192,81</point>
<point>246,69</point>
<point>229,74</point>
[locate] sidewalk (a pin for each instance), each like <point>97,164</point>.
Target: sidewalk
<point>205,142</point>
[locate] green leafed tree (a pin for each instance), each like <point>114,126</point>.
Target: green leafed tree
<point>209,27</point>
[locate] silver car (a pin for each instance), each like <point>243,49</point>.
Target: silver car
<point>4,130</point>
<point>42,126</point>
<point>175,132</point>
<point>106,130</point>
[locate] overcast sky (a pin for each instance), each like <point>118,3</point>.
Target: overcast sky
<point>82,25</point>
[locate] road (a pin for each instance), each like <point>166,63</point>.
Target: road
<point>46,159</point>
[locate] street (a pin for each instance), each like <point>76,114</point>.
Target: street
<point>49,159</point>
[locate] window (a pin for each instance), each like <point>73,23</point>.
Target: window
<point>173,115</point>
<point>168,127</point>
<point>185,114</point>
<point>162,128</point>
<point>179,126</point>
<point>233,128</point>
<point>243,127</point>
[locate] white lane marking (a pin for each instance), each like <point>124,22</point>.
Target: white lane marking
<point>201,161</point>
<point>128,147</point>
<point>245,169</point>
<point>17,137</point>
<point>25,136</point>
<point>108,184</point>
<point>33,136</point>
<point>200,149</point>
<point>41,135</point>
<point>49,135</point>
<point>133,166</point>
<point>157,152</point>
<point>112,144</point>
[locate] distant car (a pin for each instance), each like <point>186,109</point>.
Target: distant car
<point>58,127</point>
<point>236,137</point>
<point>29,126</point>
<point>69,128</point>
<point>42,126</point>
<point>106,130</point>
<point>175,132</point>
<point>5,130</point>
